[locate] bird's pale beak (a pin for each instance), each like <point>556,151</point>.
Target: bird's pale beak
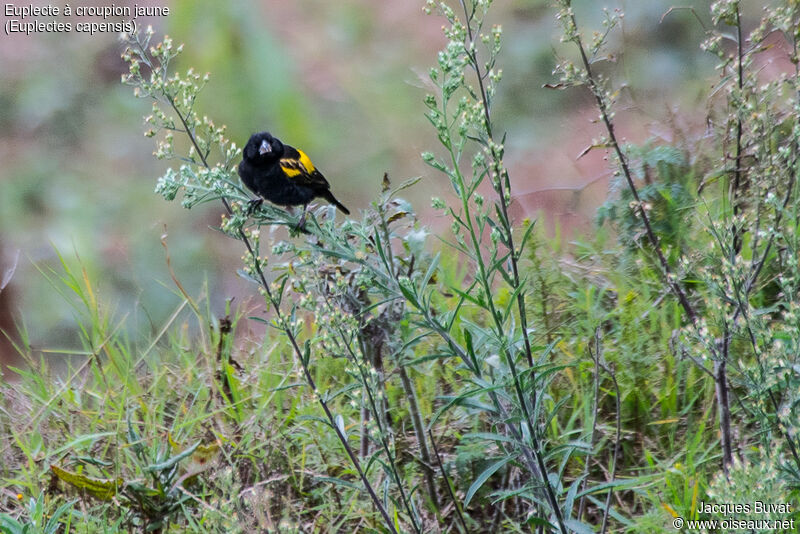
<point>265,148</point>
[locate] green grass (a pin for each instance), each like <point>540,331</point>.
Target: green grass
<point>275,463</point>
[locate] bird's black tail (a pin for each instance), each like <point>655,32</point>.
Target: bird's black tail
<point>327,195</point>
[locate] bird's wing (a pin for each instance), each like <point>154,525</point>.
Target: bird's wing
<point>298,167</point>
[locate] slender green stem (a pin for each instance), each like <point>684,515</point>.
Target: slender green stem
<point>672,281</point>
<point>503,191</point>
<point>280,319</point>
<point>456,503</point>
<point>379,420</point>
<point>419,429</point>
<point>483,274</point>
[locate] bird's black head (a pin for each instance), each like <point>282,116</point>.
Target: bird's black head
<point>263,149</point>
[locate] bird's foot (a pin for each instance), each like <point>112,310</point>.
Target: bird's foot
<point>301,224</point>
<point>253,205</point>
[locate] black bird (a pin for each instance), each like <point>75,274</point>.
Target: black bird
<point>283,175</point>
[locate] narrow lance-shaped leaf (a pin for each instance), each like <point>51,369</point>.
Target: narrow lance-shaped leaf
<point>103,489</point>
<point>483,477</point>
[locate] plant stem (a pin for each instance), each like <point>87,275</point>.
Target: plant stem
<point>484,277</point>
<point>502,193</point>
<point>595,395</point>
<point>612,137</point>
<point>280,319</point>
<point>617,444</point>
<point>419,430</point>
<point>456,504</point>
<point>720,377</point>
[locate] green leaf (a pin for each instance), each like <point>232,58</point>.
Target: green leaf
<point>405,185</point>
<point>471,351</point>
<point>489,436</point>
<point>94,461</point>
<point>569,501</point>
<point>170,462</point>
<point>79,441</point>
<point>316,418</point>
<point>611,511</point>
<point>455,314</point>
<point>451,401</point>
<point>429,273</point>
<point>341,391</point>
<point>9,525</point>
<point>525,236</point>
<point>99,488</point>
<point>339,420</point>
<point>608,485</point>
<point>469,298</point>
<point>53,524</point>
<point>483,477</point>
<point>535,520</point>
<point>134,439</point>
<point>578,527</point>
<point>340,482</point>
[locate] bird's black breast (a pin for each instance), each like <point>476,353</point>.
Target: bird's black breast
<point>247,174</point>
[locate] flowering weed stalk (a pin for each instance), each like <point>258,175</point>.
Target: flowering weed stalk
<point>201,181</point>
<point>496,346</point>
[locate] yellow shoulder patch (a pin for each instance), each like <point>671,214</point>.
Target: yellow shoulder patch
<point>291,167</point>
<point>294,167</point>
<point>306,161</point>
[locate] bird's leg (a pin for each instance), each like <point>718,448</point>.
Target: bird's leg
<point>301,224</point>
<point>253,205</point>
